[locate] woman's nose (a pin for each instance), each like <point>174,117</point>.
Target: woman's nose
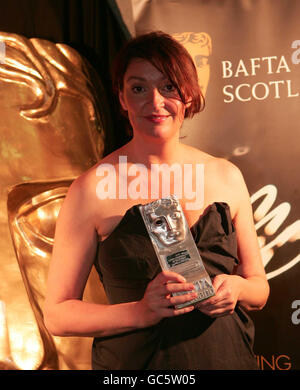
<point>157,99</point>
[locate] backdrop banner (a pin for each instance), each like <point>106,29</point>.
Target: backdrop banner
<point>248,57</point>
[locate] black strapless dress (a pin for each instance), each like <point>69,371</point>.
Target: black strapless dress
<point>126,263</point>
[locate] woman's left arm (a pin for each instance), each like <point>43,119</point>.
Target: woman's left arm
<point>248,286</point>
<point>254,287</point>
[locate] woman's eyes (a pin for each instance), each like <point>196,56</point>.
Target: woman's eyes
<point>165,88</point>
<point>169,88</point>
<point>137,89</point>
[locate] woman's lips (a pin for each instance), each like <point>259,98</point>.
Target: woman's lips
<point>156,118</point>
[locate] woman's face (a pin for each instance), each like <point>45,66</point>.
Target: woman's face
<point>152,102</point>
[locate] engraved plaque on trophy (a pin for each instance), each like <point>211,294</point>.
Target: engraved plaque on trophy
<point>175,246</point>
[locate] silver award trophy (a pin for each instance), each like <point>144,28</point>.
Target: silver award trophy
<point>175,246</point>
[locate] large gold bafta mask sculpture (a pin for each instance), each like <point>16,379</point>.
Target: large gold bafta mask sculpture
<point>200,48</point>
<point>51,130</point>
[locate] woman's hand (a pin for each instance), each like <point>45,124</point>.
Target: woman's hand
<point>158,301</point>
<point>227,288</point>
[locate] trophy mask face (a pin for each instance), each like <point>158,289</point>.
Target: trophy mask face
<point>167,223</point>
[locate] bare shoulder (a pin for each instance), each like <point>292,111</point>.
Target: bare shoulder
<point>224,181</point>
<point>226,170</point>
<point>85,184</point>
<point>195,155</point>
<point>217,165</point>
<point>233,185</point>
<point>82,194</point>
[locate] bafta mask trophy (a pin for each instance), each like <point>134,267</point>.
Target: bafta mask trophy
<point>53,114</point>
<point>174,245</point>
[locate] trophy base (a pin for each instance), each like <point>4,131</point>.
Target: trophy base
<point>204,289</point>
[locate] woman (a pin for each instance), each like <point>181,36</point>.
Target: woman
<point>140,328</point>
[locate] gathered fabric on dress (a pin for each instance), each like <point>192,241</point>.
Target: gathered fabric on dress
<point>126,263</point>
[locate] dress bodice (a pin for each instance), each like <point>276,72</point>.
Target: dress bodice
<point>126,263</point>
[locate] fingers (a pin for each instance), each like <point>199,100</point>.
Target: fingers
<point>167,283</point>
<point>167,290</point>
<point>171,288</point>
<point>222,303</point>
<point>218,281</point>
<point>172,312</point>
<point>169,276</point>
<point>179,299</point>
<point>222,308</point>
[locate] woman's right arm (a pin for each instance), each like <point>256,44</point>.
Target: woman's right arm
<point>75,244</point>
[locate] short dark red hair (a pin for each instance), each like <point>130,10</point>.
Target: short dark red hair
<point>170,58</point>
